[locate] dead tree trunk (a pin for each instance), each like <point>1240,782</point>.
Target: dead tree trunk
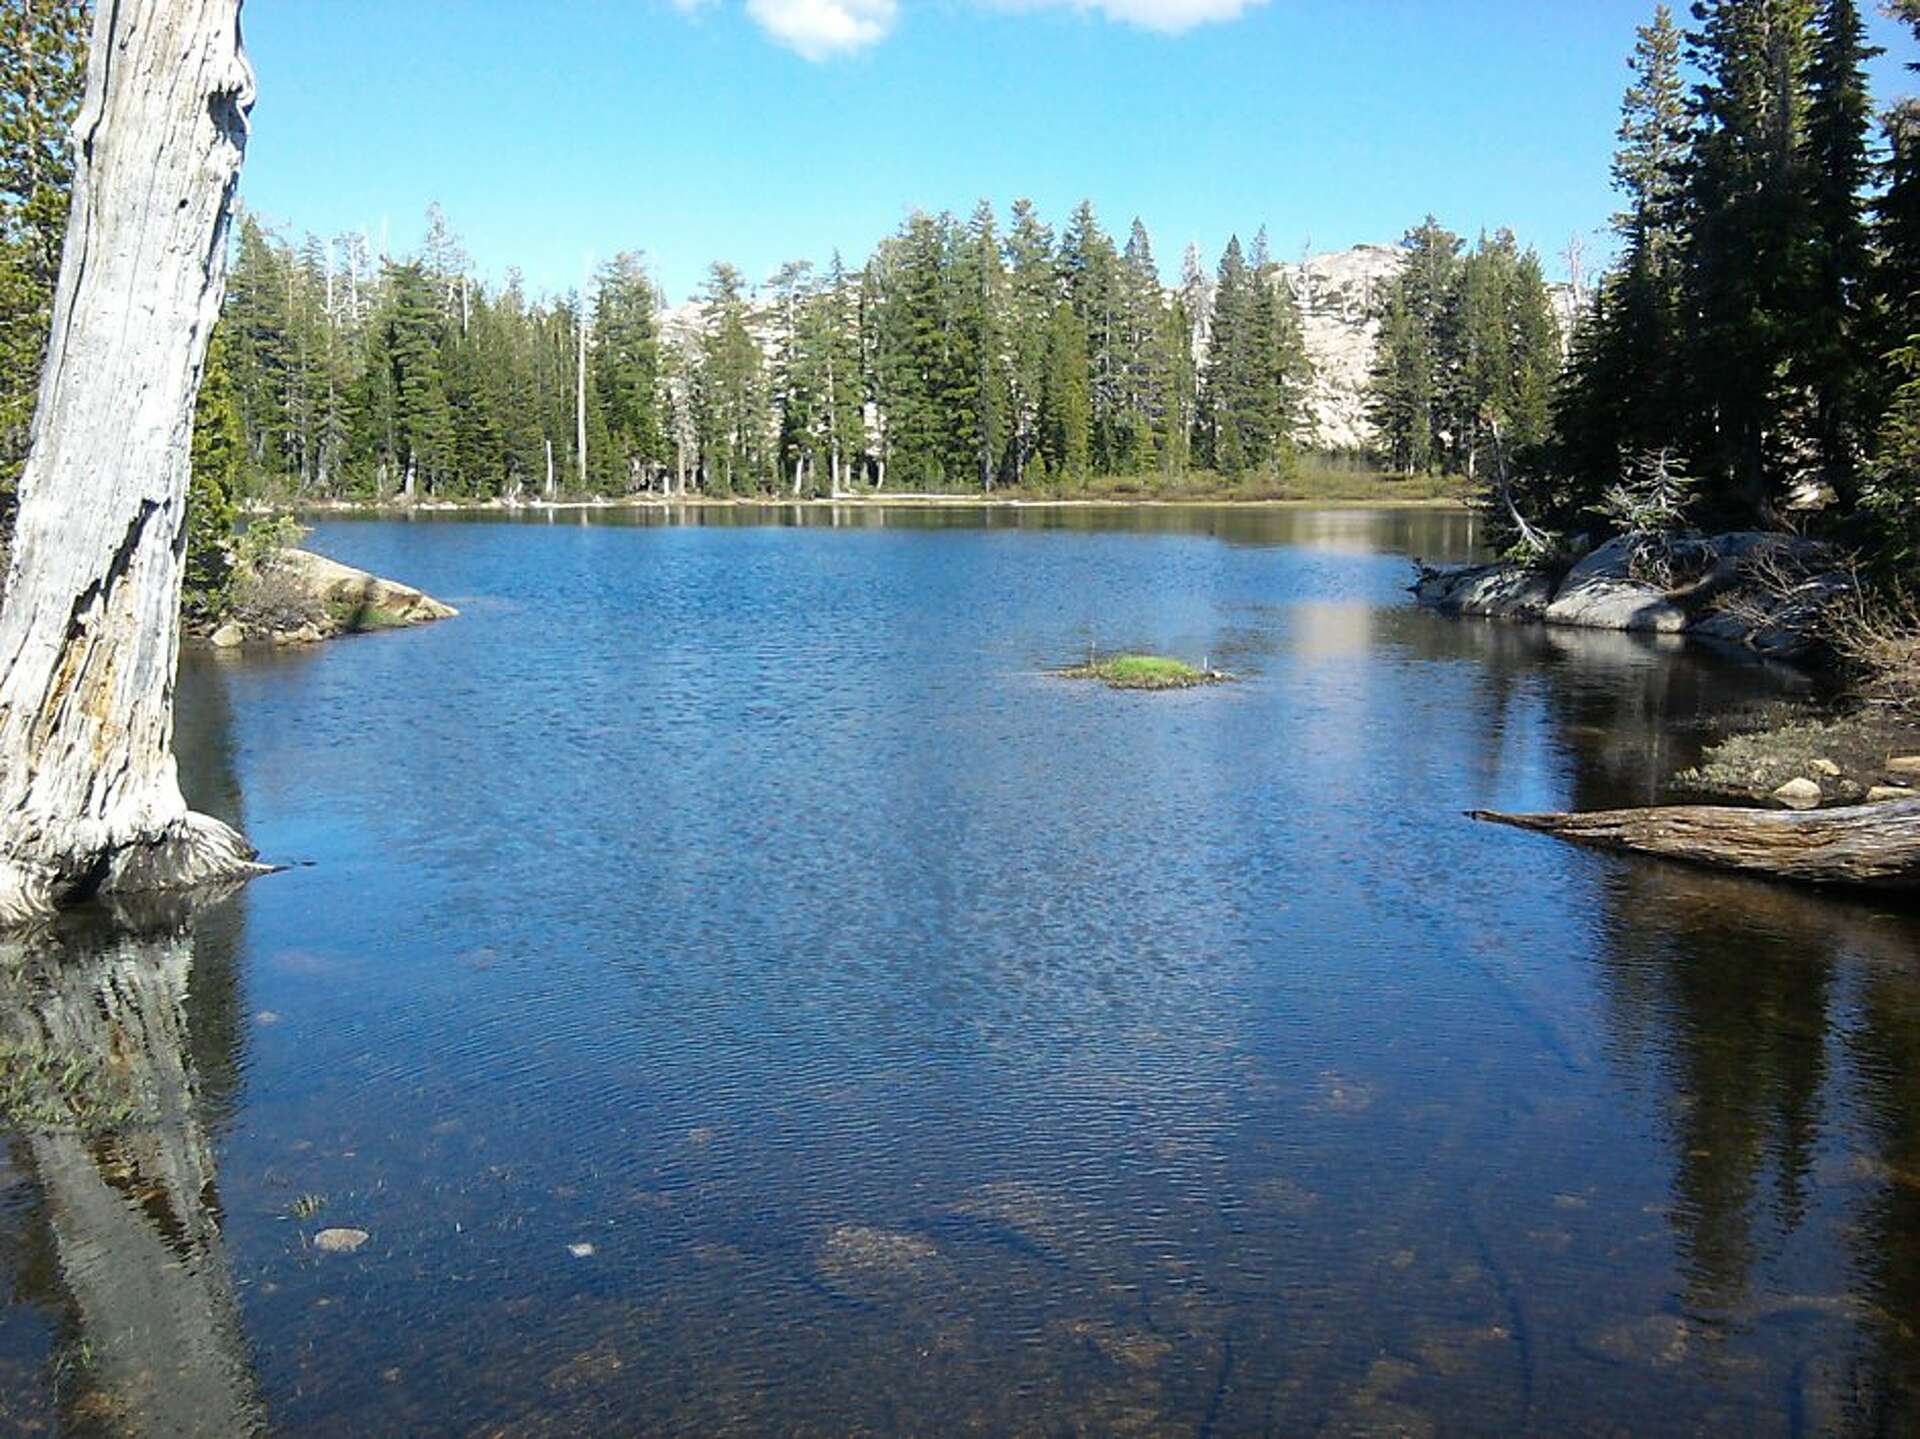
<point>89,799</point>
<point>580,396</point>
<point>1873,846</point>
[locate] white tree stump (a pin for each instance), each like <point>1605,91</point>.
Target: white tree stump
<point>89,798</point>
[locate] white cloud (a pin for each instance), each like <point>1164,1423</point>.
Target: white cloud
<point>818,29</point>
<point>821,29</point>
<point>1169,17</point>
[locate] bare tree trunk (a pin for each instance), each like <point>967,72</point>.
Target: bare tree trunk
<point>1875,846</point>
<point>90,800</point>
<point>580,394</point>
<point>549,469</point>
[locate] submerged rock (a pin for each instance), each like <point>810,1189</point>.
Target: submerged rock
<point>873,1266</point>
<point>340,1241</point>
<point>1659,1341</point>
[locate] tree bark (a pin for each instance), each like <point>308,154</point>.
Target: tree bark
<point>89,800</point>
<point>1872,846</point>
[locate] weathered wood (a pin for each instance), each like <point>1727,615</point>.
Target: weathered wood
<point>1873,846</point>
<point>89,799</point>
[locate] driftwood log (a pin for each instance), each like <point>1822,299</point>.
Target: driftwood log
<point>1873,846</point>
<point>89,799</point>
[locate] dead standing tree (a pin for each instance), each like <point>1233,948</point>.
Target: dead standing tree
<point>89,798</point>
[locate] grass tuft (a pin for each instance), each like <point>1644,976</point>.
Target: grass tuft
<point>1143,672</point>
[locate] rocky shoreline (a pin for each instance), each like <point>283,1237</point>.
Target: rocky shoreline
<point>297,597</point>
<point>1765,593</point>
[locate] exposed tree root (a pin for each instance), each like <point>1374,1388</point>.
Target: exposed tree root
<point>194,852</point>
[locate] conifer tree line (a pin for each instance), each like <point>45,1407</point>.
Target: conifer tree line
<point>1760,335</point>
<point>1760,331</point>
<point>960,356</point>
<point>1470,350</point>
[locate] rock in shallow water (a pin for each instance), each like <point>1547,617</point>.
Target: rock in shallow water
<point>340,1241</point>
<point>354,599</point>
<point>1798,794</point>
<point>872,1265</point>
<point>1658,1341</point>
<point>1490,591</point>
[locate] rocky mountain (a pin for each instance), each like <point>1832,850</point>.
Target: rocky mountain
<point>1341,296</point>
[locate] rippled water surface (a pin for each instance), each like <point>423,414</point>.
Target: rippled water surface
<point>736,991</point>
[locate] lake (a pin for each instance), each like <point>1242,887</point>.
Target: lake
<point>736,990</point>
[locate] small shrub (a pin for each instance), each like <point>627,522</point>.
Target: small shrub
<point>1653,505</point>
<point>268,600</point>
<point>264,537</point>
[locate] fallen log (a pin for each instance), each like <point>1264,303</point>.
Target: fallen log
<point>1871,846</point>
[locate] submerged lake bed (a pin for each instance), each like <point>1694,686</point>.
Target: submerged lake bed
<point>731,987</point>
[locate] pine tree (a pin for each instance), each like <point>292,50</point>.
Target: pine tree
<point>915,373</point>
<point>793,386</point>
<point>1032,293</point>
<point>219,444</point>
<point>1891,496</point>
<point>1089,274</point>
<point>1179,390</point>
<point>732,402</point>
<point>1066,406</point>
<point>1282,374</point>
<point>1623,395</point>
<point>261,350</point>
<point>1749,256</point>
<point>835,345</point>
<point>1833,344</point>
<point>625,369</point>
<point>1411,378</point>
<point>1897,214</point>
<point>1226,380</point>
<point>980,396</point>
<point>422,418</point>
<point>1142,401</point>
<point>43,54</point>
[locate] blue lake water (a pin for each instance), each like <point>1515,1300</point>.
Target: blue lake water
<point>737,990</point>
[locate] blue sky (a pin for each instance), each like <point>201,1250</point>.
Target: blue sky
<point>554,131</point>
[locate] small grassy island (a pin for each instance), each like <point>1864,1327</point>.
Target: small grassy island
<point>1144,672</point>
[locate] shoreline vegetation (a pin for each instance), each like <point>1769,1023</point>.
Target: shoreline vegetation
<point>1331,482</point>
